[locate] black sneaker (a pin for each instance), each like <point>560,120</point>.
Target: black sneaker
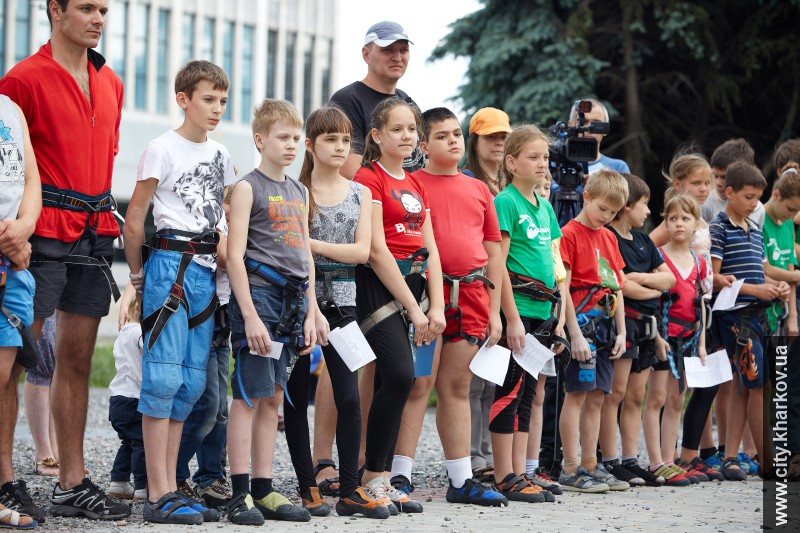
<point>193,501</point>
<point>87,500</point>
<point>16,497</point>
<point>623,474</point>
<point>650,479</point>
<point>731,473</point>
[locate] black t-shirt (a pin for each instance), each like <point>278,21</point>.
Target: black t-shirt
<point>640,255</point>
<point>357,100</point>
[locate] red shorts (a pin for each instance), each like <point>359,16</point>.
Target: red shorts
<point>473,299</point>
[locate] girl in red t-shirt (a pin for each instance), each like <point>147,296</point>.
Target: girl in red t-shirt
<point>400,229</point>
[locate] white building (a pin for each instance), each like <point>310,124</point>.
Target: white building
<point>269,48</point>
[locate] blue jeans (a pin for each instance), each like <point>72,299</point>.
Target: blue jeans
<point>127,422</point>
<point>204,432</point>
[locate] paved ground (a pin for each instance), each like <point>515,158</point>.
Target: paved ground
<point>706,507</point>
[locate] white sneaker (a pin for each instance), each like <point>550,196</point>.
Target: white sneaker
<point>122,490</point>
<point>140,495</point>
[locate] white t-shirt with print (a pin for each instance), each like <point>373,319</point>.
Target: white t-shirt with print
<point>191,178</point>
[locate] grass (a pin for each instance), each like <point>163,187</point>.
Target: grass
<point>103,369</point>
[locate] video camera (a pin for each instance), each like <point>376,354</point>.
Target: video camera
<point>573,149</point>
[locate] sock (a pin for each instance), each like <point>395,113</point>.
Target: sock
<point>654,468</point>
<point>611,461</point>
<point>589,463</point>
<point>240,483</point>
<point>705,453</point>
<point>570,465</point>
<point>402,466</point>
<point>458,470</point>
<point>721,449</point>
<point>531,465</point>
<point>629,460</point>
<point>260,487</point>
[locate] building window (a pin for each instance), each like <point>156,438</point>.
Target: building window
<point>118,24</point>
<point>291,45</point>
<point>188,36</point>
<point>248,66</point>
<point>327,53</point>
<point>227,57</point>
<point>308,74</point>
<point>209,38</point>
<point>22,44</point>
<point>141,21</point>
<point>162,83</point>
<point>272,60</point>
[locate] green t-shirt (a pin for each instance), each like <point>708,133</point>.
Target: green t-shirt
<point>532,229</point>
<point>779,247</point>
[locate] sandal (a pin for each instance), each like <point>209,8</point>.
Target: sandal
<point>15,520</point>
<point>326,486</point>
<point>484,474</point>
<point>46,467</point>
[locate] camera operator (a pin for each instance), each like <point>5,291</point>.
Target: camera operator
<point>599,113</point>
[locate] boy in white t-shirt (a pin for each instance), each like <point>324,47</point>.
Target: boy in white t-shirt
<point>183,172</point>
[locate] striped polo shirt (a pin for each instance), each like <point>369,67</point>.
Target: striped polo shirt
<point>742,252</point>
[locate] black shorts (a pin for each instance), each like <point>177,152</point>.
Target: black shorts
<point>78,289</point>
<point>635,331</point>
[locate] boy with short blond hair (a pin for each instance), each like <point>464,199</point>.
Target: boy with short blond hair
<point>595,318</point>
<point>183,172</point>
<point>273,301</point>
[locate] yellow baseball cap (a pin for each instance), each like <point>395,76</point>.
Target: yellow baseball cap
<point>489,120</point>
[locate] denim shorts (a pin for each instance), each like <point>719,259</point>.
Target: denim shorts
<point>20,288</point>
<point>174,370</point>
<point>255,375</point>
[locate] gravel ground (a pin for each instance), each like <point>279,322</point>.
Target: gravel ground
<point>647,509</point>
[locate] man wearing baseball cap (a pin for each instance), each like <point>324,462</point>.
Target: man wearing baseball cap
<point>386,52</point>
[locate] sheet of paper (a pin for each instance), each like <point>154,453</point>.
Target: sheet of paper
<point>491,364</point>
<point>534,355</point>
<point>727,296</point>
<point>352,346</point>
<point>716,371</point>
<point>275,352</point>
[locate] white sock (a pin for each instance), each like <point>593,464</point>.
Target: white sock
<point>402,466</point>
<point>531,465</point>
<point>459,471</point>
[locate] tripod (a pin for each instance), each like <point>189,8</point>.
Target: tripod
<point>567,205</point>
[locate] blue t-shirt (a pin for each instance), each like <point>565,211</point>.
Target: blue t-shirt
<point>610,163</point>
<point>741,252</point>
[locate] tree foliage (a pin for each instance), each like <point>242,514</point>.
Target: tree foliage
<point>670,71</point>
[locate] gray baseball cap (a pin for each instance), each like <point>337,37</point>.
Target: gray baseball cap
<point>385,33</point>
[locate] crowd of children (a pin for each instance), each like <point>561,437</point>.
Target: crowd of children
<point>267,266</point>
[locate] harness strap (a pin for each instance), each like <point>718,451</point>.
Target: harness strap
<point>102,262</point>
<point>534,288</point>
<point>293,294</point>
<point>479,274</point>
<point>650,322</point>
<point>327,274</point>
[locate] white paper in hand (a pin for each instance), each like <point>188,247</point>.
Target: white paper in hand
<point>275,351</point>
<point>352,346</point>
<point>727,296</point>
<point>534,355</point>
<point>716,371</point>
<point>491,364</point>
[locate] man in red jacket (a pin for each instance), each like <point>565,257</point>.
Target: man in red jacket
<point>73,104</point>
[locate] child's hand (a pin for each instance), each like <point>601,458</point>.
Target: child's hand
<point>258,339</point>
<point>494,330</point>
<point>581,351</point>
<point>420,321</point>
<point>323,328</point>
<point>515,335</point>
<point>436,324</point>
<point>309,334</point>
<point>784,290</point>
<point>559,331</point>
<point>728,280</point>
<point>619,347</point>
<point>701,351</point>
<point>791,325</point>
<point>662,348</point>
<point>765,292</point>
<point>636,277</point>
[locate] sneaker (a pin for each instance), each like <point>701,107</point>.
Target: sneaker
<point>215,495</point>
<point>403,484</point>
<point>516,488</point>
<point>713,475</point>
<point>192,500</point>
<point>749,465</point>
<point>548,495</point>
<point>623,474</point>
<point>732,474</point>
<point>671,477</point>
<point>692,471</point>
<point>715,461</point>
<point>541,479</point>
<point>87,500</point>
<point>139,495</point>
<point>171,508</point>
<point>582,481</point>
<point>275,506</point>
<point>315,504</point>
<point>477,493</point>
<point>122,490</point>
<point>242,511</point>
<point>361,503</point>
<point>693,478</point>
<point>604,476</point>
<point>376,489</point>
<point>401,500</point>
<point>650,479</point>
<point>15,496</point>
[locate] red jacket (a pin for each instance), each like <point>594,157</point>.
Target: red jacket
<point>75,141</point>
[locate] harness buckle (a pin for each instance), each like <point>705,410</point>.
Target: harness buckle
<point>14,320</point>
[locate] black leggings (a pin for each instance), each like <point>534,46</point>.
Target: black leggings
<point>394,373</point>
<point>694,420</point>
<point>348,424</point>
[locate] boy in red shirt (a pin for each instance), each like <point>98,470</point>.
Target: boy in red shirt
<point>595,278</point>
